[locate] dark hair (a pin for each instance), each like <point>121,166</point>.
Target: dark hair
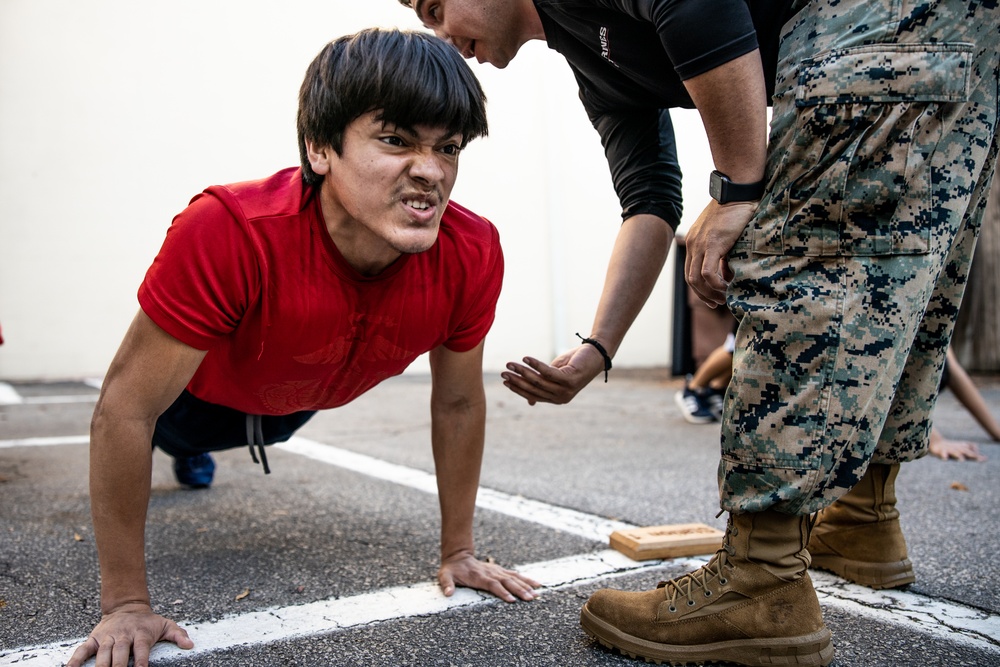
<point>406,3</point>
<point>409,78</point>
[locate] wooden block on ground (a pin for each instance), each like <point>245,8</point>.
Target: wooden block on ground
<point>673,541</point>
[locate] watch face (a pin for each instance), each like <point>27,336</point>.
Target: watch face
<point>715,186</point>
<point>725,191</point>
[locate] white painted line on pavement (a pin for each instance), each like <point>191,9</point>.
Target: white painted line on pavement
<point>327,616</point>
<point>589,526</point>
<point>948,621</point>
<point>46,442</point>
<point>944,620</point>
<point>425,599</point>
<point>9,395</point>
<point>59,400</point>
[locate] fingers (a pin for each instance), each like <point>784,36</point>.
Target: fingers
<point>120,652</point>
<point>967,451</point>
<point>706,278</point>
<point>500,591</point>
<point>104,656</point>
<point>124,634</point>
<point>503,590</point>
<point>83,652</point>
<point>548,372</point>
<point>708,243</point>
<point>529,383</point>
<point>534,372</point>
<point>446,582</point>
<point>510,587</point>
<point>504,584</point>
<point>523,587</point>
<point>114,652</point>
<point>178,635</point>
<point>956,450</point>
<point>525,378</point>
<point>529,393</point>
<point>556,383</point>
<point>727,273</point>
<point>519,585</point>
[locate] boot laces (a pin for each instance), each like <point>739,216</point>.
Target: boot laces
<point>688,585</point>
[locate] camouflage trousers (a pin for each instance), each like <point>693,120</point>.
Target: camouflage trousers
<point>849,277</point>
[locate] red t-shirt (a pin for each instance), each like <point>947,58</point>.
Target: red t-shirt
<point>249,273</point>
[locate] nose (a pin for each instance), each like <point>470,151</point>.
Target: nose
<point>426,167</point>
<point>464,50</point>
<point>443,34</point>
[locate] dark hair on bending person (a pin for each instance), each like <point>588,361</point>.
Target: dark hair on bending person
<point>409,78</point>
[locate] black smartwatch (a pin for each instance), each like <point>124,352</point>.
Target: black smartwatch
<point>725,191</point>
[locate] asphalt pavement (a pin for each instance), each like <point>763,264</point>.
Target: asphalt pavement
<point>331,559</point>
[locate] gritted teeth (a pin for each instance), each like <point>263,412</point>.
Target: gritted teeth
<point>418,204</point>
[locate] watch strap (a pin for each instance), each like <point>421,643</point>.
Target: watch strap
<point>725,191</point>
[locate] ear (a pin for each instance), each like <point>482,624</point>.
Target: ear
<point>319,157</point>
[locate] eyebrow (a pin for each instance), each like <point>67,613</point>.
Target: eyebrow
<point>415,135</point>
<point>418,7</point>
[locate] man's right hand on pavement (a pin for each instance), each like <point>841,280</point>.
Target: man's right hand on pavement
<point>131,629</point>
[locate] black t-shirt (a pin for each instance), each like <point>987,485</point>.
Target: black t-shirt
<point>630,58</point>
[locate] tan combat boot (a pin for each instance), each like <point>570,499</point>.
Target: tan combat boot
<point>752,604</point>
<point>858,537</point>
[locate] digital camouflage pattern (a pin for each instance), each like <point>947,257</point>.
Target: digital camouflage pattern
<point>849,278</point>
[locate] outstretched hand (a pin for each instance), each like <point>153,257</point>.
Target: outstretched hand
<point>559,382</point>
<point>131,629</point>
<point>465,569</point>
<point>958,450</point>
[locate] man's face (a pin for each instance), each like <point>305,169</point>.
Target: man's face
<point>384,195</point>
<point>488,30</point>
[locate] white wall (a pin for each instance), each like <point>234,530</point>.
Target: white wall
<point>114,113</point>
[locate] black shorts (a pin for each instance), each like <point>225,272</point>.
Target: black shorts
<point>191,426</point>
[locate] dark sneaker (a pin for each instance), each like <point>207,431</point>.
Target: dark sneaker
<point>195,471</point>
<point>715,399</point>
<point>695,405</point>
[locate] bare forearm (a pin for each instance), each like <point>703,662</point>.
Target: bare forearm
<point>120,468</point>
<point>732,101</point>
<point>458,434</point>
<point>636,262</point>
<point>458,430</point>
<point>968,395</point>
